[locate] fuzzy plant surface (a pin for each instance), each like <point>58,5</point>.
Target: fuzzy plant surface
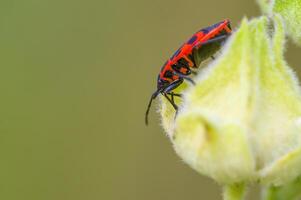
<point>241,123</point>
<point>290,10</point>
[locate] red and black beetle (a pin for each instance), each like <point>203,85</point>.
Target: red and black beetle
<point>202,45</point>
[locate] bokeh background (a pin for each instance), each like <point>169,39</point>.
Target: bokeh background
<point>75,79</point>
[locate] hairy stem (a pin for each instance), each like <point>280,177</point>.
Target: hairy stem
<point>234,192</point>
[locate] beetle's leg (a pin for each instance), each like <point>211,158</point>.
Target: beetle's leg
<point>184,65</point>
<point>172,86</point>
<point>168,90</point>
<point>187,61</point>
<point>172,94</point>
<point>184,77</point>
<point>175,94</point>
<point>190,62</point>
<point>171,101</point>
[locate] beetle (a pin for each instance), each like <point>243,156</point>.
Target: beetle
<point>202,45</point>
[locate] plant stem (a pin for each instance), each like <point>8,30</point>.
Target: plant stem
<point>234,192</point>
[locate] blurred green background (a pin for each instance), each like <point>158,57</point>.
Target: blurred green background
<point>75,79</point>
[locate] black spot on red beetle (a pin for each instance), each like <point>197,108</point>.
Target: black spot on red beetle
<point>191,40</point>
<point>209,28</point>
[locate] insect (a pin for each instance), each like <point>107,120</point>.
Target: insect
<point>202,45</point>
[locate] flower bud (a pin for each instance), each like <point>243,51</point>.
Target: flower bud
<point>241,122</point>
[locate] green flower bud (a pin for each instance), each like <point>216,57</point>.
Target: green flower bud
<point>241,122</point>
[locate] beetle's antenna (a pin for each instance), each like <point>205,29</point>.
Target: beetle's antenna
<point>154,95</point>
